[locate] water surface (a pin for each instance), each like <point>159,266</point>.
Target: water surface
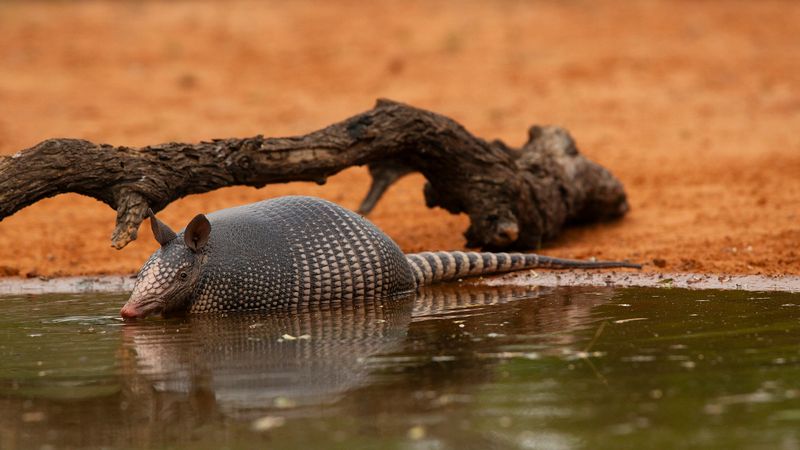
<point>456,368</point>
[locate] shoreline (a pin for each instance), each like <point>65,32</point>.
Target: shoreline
<point>11,286</point>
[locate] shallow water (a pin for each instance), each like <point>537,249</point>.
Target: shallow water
<point>456,368</point>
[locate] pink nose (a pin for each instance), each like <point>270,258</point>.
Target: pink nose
<point>129,312</point>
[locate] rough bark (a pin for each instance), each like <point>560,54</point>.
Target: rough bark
<point>514,197</point>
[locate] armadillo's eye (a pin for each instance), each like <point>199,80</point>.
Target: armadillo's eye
<point>183,275</point>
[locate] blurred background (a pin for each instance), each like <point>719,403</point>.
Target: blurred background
<point>694,105</point>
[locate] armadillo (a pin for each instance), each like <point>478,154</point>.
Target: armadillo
<point>297,251</point>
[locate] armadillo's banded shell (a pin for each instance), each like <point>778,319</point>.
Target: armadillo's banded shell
<point>296,251</point>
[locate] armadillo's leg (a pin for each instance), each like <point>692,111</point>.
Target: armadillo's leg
<point>430,267</point>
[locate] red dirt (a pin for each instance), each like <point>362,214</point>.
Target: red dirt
<point>694,105</point>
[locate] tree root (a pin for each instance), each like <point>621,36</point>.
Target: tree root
<point>515,198</point>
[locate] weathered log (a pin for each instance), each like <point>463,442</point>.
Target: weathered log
<point>514,197</point>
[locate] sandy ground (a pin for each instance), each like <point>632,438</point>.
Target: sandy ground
<point>694,105</point>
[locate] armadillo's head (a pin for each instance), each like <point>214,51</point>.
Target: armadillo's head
<point>167,280</point>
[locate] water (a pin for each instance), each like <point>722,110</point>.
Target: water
<point>457,368</point>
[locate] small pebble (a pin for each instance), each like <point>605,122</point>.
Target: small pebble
<point>416,433</point>
<point>267,423</point>
<point>33,416</point>
<point>284,402</point>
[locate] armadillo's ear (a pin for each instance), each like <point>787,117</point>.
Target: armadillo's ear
<point>197,233</point>
<point>161,231</point>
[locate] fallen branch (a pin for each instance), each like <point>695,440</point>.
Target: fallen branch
<point>514,198</point>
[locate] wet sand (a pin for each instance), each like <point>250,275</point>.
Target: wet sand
<point>694,281</point>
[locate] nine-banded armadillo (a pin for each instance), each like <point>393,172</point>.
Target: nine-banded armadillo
<point>297,251</point>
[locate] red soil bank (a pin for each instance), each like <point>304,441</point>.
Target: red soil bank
<point>694,105</point>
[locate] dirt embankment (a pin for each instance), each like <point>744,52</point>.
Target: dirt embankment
<point>694,105</point>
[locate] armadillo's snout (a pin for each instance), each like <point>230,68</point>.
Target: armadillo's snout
<point>129,312</point>
<point>148,292</point>
<point>140,310</point>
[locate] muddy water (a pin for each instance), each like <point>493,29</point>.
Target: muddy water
<point>455,368</point>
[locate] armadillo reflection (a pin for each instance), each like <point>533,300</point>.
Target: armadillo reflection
<point>297,251</point>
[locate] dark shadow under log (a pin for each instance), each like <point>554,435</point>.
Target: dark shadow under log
<point>515,198</point>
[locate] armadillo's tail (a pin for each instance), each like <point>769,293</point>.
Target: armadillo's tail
<point>431,267</point>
